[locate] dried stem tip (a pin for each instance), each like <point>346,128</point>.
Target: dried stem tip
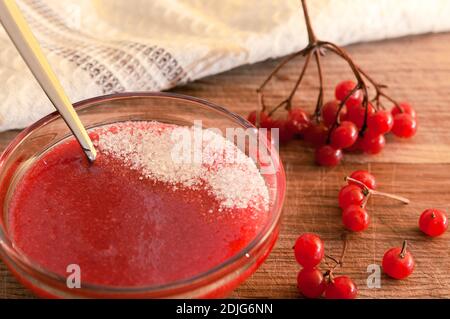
<point>403,251</point>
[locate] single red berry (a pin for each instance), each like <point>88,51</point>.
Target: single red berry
<point>341,287</point>
<point>264,118</point>
<point>327,155</point>
<point>404,125</point>
<point>398,263</point>
<point>310,282</point>
<point>344,88</point>
<point>380,122</point>
<point>345,135</point>
<point>315,134</point>
<point>285,134</point>
<point>355,218</point>
<point>329,111</point>
<point>350,195</point>
<point>298,120</point>
<point>403,107</point>
<point>373,144</point>
<point>357,113</point>
<point>433,222</point>
<point>364,177</point>
<point>309,250</point>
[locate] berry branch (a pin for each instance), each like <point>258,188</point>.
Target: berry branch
<point>338,262</point>
<point>350,94</point>
<point>317,48</point>
<point>378,87</point>
<point>288,101</point>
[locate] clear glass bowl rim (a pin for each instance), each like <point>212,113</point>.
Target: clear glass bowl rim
<point>221,269</point>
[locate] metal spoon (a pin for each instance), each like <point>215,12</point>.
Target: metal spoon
<point>28,47</point>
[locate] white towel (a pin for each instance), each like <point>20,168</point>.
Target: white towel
<point>101,47</point>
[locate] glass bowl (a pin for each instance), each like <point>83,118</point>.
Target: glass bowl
<point>163,107</point>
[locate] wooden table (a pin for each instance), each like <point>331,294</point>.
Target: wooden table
<point>417,69</point>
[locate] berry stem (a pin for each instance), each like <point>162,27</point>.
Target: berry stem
<point>288,101</point>
<point>403,251</point>
<point>367,191</point>
<point>300,77</point>
<point>344,248</point>
<point>332,258</point>
<point>260,89</point>
<point>279,105</point>
<point>396,197</point>
<point>361,84</point>
<point>366,200</point>
<point>319,102</point>
<point>311,36</point>
<point>328,276</point>
<point>340,261</point>
<point>379,91</point>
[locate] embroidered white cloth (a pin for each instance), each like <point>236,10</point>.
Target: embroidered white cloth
<point>100,47</point>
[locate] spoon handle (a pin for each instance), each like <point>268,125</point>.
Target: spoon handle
<point>28,47</point>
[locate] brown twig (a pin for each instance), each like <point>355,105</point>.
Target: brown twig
<point>344,248</point>
<point>337,262</point>
<point>311,35</point>
<point>260,90</point>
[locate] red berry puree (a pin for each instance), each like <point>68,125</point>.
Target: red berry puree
<point>133,217</point>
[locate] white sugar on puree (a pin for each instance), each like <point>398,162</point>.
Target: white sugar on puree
<point>151,148</point>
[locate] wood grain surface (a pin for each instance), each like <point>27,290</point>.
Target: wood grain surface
<point>416,69</point>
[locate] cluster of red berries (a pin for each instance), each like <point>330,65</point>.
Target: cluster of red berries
<point>311,281</point>
<point>397,262</point>
<point>353,198</point>
<point>343,124</point>
<point>360,186</point>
